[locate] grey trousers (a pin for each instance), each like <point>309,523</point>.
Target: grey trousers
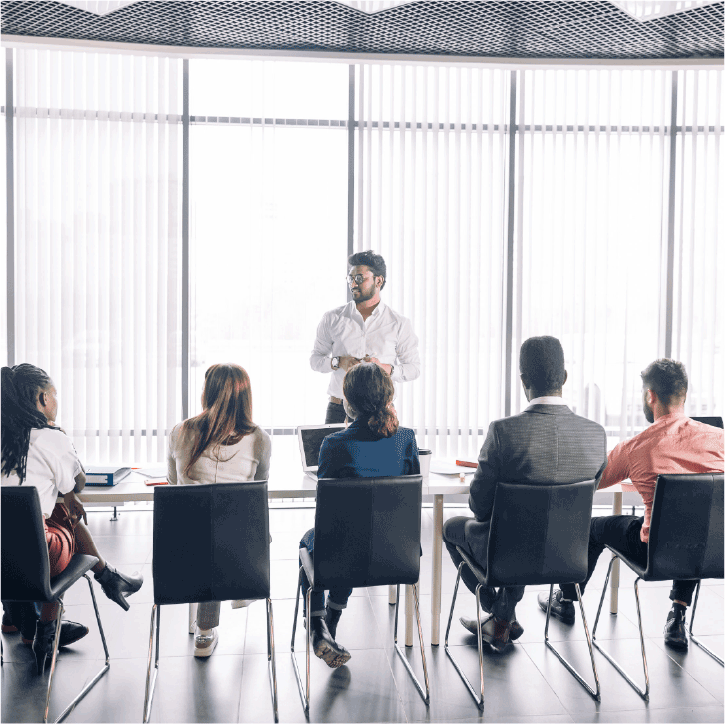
<point>207,615</point>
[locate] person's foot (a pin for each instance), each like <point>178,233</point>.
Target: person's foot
<point>43,643</point>
<point>675,633</point>
<point>332,618</point>
<point>325,647</point>
<point>70,632</point>
<point>470,625</point>
<point>117,585</point>
<point>496,633</point>
<point>205,642</point>
<point>561,608</point>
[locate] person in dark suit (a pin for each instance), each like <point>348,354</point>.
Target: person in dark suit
<point>546,443</point>
<point>374,445</point>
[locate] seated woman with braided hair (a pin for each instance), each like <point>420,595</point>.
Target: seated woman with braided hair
<point>374,445</point>
<point>37,452</point>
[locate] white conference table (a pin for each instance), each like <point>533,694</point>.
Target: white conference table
<point>286,480</point>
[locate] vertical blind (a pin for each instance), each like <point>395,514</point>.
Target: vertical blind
<point>98,193</point>
<point>592,182</point>
<point>699,259</point>
<point>431,192</point>
<point>602,213</point>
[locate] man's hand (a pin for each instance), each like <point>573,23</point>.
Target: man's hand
<point>346,362</point>
<point>386,368</point>
<point>75,508</point>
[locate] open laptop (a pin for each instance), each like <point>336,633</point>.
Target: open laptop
<point>310,438</point>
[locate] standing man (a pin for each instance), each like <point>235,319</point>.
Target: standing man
<point>673,443</point>
<point>364,329</point>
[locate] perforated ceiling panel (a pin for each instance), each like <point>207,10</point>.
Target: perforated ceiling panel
<point>544,29</point>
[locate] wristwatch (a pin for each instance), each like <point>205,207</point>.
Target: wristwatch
<point>335,363</point>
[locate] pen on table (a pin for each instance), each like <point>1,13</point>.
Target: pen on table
<point>466,464</point>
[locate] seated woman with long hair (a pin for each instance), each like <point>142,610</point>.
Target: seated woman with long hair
<point>374,445</point>
<point>220,445</point>
<point>36,452</point>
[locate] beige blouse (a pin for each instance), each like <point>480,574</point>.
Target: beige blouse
<point>246,460</point>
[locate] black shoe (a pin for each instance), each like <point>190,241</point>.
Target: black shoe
<point>325,647</point>
<point>43,643</point>
<point>70,632</point>
<point>561,609</point>
<point>496,633</point>
<point>332,618</point>
<point>675,634</point>
<point>470,625</point>
<point>118,585</point>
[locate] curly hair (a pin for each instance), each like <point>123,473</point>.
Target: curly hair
<point>667,378</point>
<point>541,362</point>
<point>369,391</point>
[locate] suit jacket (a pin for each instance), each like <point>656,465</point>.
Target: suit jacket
<point>544,444</point>
<point>357,452</point>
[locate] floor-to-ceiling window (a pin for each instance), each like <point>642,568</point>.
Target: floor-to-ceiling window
<point>587,190</point>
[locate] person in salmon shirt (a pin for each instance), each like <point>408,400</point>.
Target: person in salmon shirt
<point>672,444</point>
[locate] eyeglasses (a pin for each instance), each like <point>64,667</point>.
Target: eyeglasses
<point>358,279</point>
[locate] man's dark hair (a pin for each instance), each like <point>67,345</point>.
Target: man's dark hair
<point>541,362</point>
<point>373,261</point>
<point>667,378</point>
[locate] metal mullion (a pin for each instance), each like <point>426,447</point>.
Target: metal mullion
<point>510,242</point>
<point>351,167</point>
<point>10,200</point>
<point>670,273</point>
<point>185,318</point>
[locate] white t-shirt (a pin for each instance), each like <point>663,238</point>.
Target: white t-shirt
<point>247,460</point>
<point>52,467</point>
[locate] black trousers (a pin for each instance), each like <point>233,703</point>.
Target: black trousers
<point>622,532</point>
<point>473,538</point>
<point>335,414</point>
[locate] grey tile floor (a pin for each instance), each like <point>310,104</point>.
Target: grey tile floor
<point>525,684</point>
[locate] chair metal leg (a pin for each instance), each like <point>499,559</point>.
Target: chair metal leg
<point>151,683</point>
<point>692,636</point>
<point>644,694</point>
<point>596,694</point>
<point>270,659</point>
<point>304,692</point>
<point>424,695</point>
<point>478,699</point>
<point>96,678</point>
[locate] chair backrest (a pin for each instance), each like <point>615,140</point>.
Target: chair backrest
<point>539,533</point>
<point>367,531</point>
<point>712,421</point>
<point>686,529</point>
<point>25,562</point>
<point>211,542</point>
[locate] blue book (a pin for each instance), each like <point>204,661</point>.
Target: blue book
<point>105,475</point>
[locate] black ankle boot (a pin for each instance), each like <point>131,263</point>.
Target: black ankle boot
<point>332,618</point>
<point>118,585</point>
<point>675,634</point>
<point>325,647</point>
<point>43,642</point>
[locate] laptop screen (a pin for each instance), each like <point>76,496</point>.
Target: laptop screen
<point>311,440</point>
<point>714,421</point>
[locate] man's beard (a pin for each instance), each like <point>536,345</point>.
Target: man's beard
<point>648,413</point>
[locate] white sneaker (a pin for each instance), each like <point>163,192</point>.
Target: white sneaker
<point>243,602</point>
<point>205,643</point>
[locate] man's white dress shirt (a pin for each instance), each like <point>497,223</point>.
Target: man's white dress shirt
<point>385,334</point>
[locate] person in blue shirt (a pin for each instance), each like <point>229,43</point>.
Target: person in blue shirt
<point>374,445</point>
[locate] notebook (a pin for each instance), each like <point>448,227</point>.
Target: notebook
<point>310,438</point>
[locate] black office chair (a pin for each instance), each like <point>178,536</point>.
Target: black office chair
<point>367,533</point>
<point>538,534</point>
<point>211,543</point>
<point>26,571</point>
<point>685,543</point>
